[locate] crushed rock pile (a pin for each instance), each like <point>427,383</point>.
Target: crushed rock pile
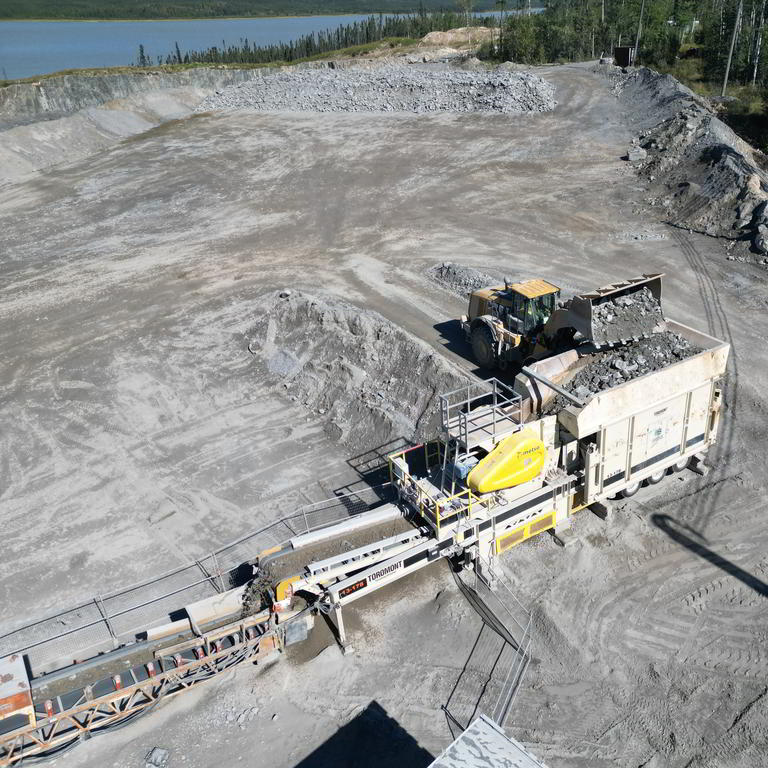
<point>626,317</point>
<point>606,369</point>
<point>704,177</point>
<point>462,280</point>
<point>388,88</point>
<point>373,382</point>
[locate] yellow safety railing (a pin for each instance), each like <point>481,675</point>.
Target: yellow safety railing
<point>435,511</point>
<point>468,501</point>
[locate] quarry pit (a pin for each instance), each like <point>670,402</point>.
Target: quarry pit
<point>160,398</point>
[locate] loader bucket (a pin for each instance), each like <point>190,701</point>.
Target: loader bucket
<point>598,318</point>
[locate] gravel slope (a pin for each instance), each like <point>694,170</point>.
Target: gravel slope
<point>703,176</point>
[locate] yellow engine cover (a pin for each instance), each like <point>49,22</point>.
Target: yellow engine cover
<point>515,460</point>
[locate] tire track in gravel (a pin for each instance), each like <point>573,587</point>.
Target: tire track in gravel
<point>718,326</point>
<point>638,616</point>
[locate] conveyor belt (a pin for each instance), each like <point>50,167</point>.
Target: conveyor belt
<point>291,562</point>
<point>98,625</point>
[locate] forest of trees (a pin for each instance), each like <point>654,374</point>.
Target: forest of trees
<point>571,30</point>
<point>373,29</point>
<point>170,9</point>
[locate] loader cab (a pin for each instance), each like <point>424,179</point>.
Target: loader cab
<point>537,310</point>
<point>523,308</point>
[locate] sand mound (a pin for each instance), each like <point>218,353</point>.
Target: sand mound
<point>375,383</point>
<point>462,36</point>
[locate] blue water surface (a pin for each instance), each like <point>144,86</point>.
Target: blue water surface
<point>29,48</point>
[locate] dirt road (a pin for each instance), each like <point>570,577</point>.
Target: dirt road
<point>136,434</point>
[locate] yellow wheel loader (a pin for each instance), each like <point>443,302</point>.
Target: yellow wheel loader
<point>512,323</point>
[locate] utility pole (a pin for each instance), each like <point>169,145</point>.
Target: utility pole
<point>639,30</point>
<point>730,52</point>
<point>501,4</point>
<point>758,43</point>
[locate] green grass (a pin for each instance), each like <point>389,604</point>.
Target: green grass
<point>388,43</point>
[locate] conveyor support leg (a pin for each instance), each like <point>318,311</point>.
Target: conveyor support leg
<point>341,635</point>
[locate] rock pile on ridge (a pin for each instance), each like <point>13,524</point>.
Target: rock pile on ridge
<point>704,177</point>
<point>388,88</point>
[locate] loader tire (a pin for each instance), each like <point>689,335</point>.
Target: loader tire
<point>483,347</point>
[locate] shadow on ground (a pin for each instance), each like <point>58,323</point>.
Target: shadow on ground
<point>687,537</point>
<point>374,740</point>
<point>453,339</point>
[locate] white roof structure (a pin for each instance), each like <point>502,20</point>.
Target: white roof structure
<point>485,745</point>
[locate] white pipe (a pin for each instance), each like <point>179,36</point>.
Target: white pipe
<point>374,517</point>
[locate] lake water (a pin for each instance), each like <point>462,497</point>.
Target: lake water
<point>29,48</point>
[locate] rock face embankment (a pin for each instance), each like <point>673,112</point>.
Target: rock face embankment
<point>64,119</point>
<point>389,88</point>
<point>56,97</point>
<point>703,176</point>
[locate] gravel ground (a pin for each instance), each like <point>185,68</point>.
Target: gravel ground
<point>139,429</point>
<point>390,88</point>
